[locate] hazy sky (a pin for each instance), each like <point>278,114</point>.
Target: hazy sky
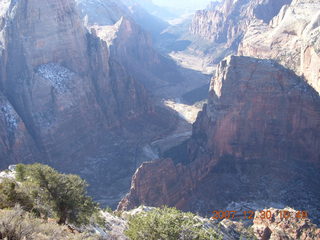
<point>183,4</point>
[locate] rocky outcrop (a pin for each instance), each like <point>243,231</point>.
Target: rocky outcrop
<point>295,226</point>
<point>256,140</point>
<point>228,21</point>
<point>291,38</point>
<point>60,79</point>
<point>16,144</point>
<point>133,48</point>
<point>158,183</point>
<point>127,28</point>
<point>100,12</point>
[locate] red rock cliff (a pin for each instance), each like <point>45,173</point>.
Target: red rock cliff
<point>133,48</point>
<point>228,21</point>
<point>60,79</point>
<point>256,140</point>
<point>292,38</point>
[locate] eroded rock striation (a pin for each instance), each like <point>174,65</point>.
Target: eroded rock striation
<point>292,38</point>
<point>16,142</point>
<point>133,48</point>
<point>60,83</point>
<point>100,12</point>
<point>228,21</point>
<point>256,140</point>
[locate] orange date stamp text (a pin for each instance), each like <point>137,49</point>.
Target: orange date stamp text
<point>250,215</point>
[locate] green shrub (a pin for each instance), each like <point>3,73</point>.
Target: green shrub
<point>65,194</point>
<point>168,224</point>
<point>46,193</point>
<point>11,194</point>
<point>21,172</point>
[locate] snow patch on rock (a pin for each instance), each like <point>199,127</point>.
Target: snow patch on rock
<point>10,173</point>
<point>58,76</point>
<point>9,116</point>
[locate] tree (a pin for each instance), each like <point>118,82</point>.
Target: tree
<point>63,195</point>
<point>11,194</point>
<point>168,224</point>
<point>21,172</point>
<point>7,193</point>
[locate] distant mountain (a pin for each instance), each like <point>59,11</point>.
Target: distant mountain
<point>224,24</point>
<point>292,38</point>
<point>164,13</point>
<point>227,21</point>
<point>102,12</point>
<point>133,47</point>
<point>183,6</point>
<point>129,42</point>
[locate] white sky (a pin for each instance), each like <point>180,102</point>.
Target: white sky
<point>183,4</point>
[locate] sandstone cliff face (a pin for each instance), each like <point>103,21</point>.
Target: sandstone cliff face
<point>133,48</point>
<point>60,79</point>
<point>292,38</point>
<point>228,21</point>
<point>100,12</point>
<point>16,144</point>
<point>256,140</point>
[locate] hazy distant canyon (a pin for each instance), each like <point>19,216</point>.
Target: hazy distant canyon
<point>111,90</point>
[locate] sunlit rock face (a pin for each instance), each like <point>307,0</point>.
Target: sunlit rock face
<point>59,79</point>
<point>101,12</point>
<point>131,46</point>
<point>128,30</point>
<point>257,140</point>
<point>292,38</point>
<point>228,21</point>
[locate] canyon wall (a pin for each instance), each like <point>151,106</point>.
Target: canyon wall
<point>60,81</point>
<point>16,142</point>
<point>291,38</point>
<point>256,141</point>
<point>228,21</point>
<point>286,31</point>
<point>128,28</point>
<point>100,12</point>
<point>133,48</point>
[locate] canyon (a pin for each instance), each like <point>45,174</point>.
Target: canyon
<point>67,100</point>
<point>290,41</point>
<point>226,22</point>
<point>218,111</point>
<point>286,31</point>
<point>243,147</point>
<point>232,163</point>
<point>217,31</point>
<point>83,91</point>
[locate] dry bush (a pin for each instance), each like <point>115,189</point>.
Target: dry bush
<point>16,224</point>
